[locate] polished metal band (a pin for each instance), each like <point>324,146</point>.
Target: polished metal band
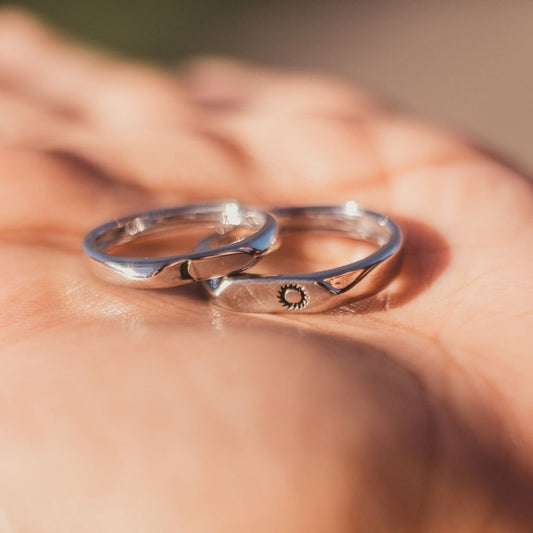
<point>318,291</point>
<point>224,218</point>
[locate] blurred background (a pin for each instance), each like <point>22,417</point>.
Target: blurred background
<point>465,63</point>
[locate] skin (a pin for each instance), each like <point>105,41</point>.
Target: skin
<point>125,410</point>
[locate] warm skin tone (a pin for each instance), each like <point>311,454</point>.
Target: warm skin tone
<point>125,410</point>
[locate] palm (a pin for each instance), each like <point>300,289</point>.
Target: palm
<point>407,412</point>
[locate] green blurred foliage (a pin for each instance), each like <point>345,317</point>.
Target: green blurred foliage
<point>164,30</point>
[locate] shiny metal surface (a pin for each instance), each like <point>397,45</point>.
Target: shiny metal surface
<point>156,272</point>
<point>317,291</point>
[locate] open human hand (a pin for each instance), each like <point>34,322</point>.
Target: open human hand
<point>127,410</point>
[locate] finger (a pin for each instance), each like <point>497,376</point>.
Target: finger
<point>190,164</point>
<point>36,62</point>
<point>47,199</point>
<point>304,158</point>
<point>24,123</point>
<point>228,83</point>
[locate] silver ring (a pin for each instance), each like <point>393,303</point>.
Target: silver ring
<point>318,291</point>
<point>225,218</point>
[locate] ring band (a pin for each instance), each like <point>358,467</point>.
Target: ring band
<point>318,291</point>
<point>157,272</point>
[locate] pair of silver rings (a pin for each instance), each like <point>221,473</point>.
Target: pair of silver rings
<point>238,237</point>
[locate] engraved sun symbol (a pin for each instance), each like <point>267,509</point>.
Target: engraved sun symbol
<point>293,297</point>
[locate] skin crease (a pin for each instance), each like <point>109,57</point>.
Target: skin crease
<point>125,410</point>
